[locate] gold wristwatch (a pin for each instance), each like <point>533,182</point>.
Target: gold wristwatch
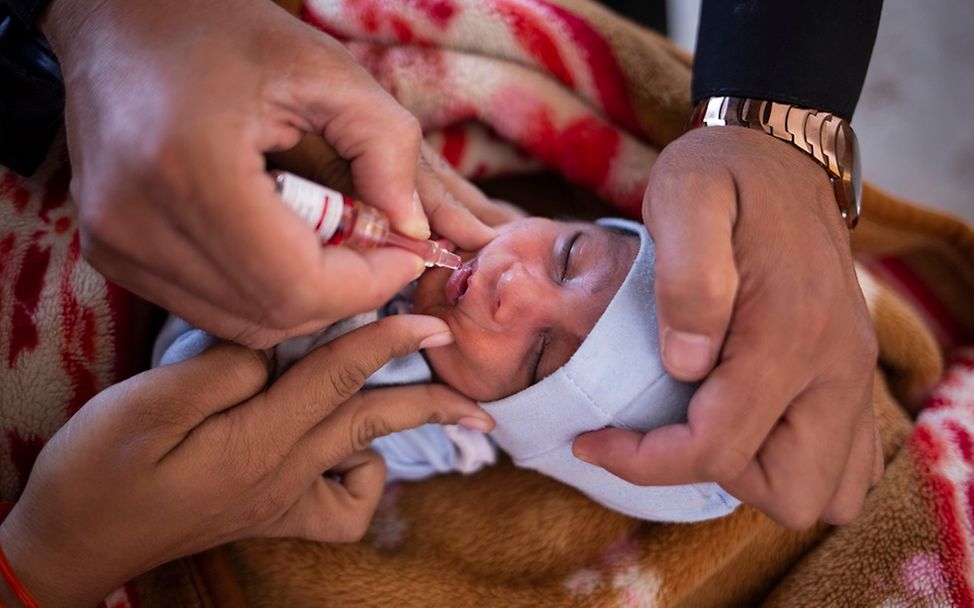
<point>824,136</point>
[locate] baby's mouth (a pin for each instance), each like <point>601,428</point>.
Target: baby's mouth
<point>459,281</point>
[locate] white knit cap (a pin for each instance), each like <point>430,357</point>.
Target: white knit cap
<point>615,378</point>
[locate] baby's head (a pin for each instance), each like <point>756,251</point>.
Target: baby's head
<point>555,334</point>
<point>520,307</point>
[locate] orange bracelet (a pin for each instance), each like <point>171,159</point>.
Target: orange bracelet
<point>14,583</point>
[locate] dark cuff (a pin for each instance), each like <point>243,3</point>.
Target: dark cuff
<point>812,53</point>
<point>32,102</point>
<point>26,11</point>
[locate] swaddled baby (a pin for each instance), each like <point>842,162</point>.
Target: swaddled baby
<point>554,334</point>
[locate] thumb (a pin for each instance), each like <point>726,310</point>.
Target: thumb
<point>691,217</point>
<point>315,386</point>
<point>379,137</point>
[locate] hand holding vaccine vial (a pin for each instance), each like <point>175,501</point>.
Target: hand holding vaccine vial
<point>339,220</point>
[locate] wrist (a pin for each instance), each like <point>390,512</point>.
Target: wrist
<point>822,136</point>
<point>7,596</point>
<point>25,568</point>
<point>40,568</point>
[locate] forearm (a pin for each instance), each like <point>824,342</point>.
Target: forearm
<point>812,53</point>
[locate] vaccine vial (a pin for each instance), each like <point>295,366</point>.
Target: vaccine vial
<point>339,220</point>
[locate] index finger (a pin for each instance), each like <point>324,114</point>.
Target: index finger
<point>383,411</point>
<point>278,263</point>
<point>331,374</point>
<point>449,200</point>
<point>728,419</point>
<point>368,127</point>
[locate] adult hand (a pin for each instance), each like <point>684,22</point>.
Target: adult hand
<point>457,210</point>
<point>171,105</point>
<point>754,273</point>
<point>188,456</point>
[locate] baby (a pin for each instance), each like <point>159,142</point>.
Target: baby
<point>554,334</point>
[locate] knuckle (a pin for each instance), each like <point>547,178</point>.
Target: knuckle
<point>352,529</point>
<point>358,526</point>
<point>708,285</point>
<point>407,127</point>
<point>246,367</point>
<point>247,463</point>
<point>365,427</point>
<point>373,459</point>
<point>723,464</point>
<point>163,162</point>
<point>347,380</point>
<point>844,513</point>
<point>868,352</point>
<point>91,245</point>
<point>435,161</point>
<point>264,508</point>
<point>715,285</point>
<point>435,400</point>
<point>388,333</point>
<point>94,217</point>
<point>97,229</point>
<point>175,416</point>
<point>427,163</point>
<point>797,518</point>
<point>401,349</point>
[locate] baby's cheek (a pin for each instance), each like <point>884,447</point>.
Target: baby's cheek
<point>444,361</point>
<point>451,368</point>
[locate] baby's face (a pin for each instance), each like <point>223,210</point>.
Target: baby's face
<point>522,305</point>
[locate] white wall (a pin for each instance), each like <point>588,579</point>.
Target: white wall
<point>915,119</point>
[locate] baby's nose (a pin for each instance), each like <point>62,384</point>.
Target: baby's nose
<point>517,295</point>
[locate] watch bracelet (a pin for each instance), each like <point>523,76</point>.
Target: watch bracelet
<point>811,131</point>
<point>817,133</point>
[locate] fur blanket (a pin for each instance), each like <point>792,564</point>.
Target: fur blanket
<point>505,87</point>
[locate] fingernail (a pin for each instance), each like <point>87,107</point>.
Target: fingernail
<point>581,453</point>
<point>417,225</point>
<point>686,353</point>
<point>420,268</point>
<point>475,424</point>
<point>440,339</point>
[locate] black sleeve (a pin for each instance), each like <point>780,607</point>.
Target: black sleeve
<point>31,96</point>
<point>812,53</point>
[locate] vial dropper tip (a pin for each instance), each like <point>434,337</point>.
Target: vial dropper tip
<point>448,259</point>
